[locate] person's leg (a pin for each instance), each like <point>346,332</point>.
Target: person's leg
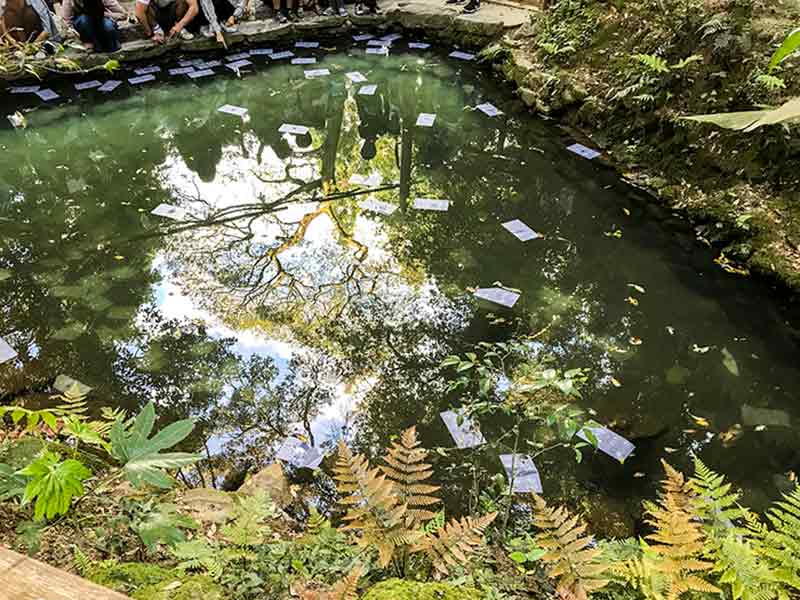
<point>85,28</point>
<point>278,14</point>
<point>110,37</point>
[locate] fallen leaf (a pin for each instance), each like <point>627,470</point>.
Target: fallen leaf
<point>615,382</point>
<point>638,474</point>
<point>729,362</point>
<point>700,421</point>
<point>690,431</point>
<point>626,211</point>
<point>700,349</point>
<point>670,330</point>
<point>119,257</point>
<point>670,450</point>
<point>760,427</point>
<point>631,300</point>
<point>637,287</point>
<point>635,341</point>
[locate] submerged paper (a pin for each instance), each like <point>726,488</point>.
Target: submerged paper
<point>378,206</point>
<point>210,64</point>
<point>65,384</point>
<point>47,95</point>
<point>426,119</point>
<point>142,79</point>
<point>363,37</point>
<point>497,296</point>
<point>379,43</point>
<point>373,180</point>
<point>201,73</point>
<point>302,44</point>
<point>25,89</point>
<point>87,85</point>
<point>419,45</point>
<point>465,431</point>
<point>299,454</point>
<point>6,351</point>
<point>521,470</point>
<point>294,129</point>
<point>489,109</point>
<point>235,57</point>
<point>109,86</point>
<point>317,73</point>
<point>462,55</point>
<point>282,55</point>
<point>609,442</point>
<point>181,71</point>
<point>260,52</point>
<point>169,211</point>
<point>230,109</point>
<point>392,37</point>
<point>304,61</point>
<point>521,231</point>
<point>235,66</point>
<point>368,90</point>
<point>583,151</point>
<point>147,70</point>
<point>431,204</point>
<point>383,50</point>
<point>356,77</point>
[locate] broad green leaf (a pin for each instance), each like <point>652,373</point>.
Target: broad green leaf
<point>147,469</point>
<point>163,526</point>
<point>789,46</point>
<point>169,436</point>
<point>518,557</point>
<point>53,484</point>
<point>729,362</point>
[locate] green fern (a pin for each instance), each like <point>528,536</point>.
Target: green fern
<point>198,555</point>
<point>654,63</point>
<point>781,544</point>
<point>714,502</point>
<point>248,525</point>
<point>53,483</point>
<point>740,568</point>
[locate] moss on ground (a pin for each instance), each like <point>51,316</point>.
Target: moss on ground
<point>401,589</point>
<point>151,582</point>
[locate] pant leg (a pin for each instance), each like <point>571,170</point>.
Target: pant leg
<point>85,28</point>
<point>109,39</point>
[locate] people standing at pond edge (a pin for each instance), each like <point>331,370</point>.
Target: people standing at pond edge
<point>471,7</point>
<point>28,21</point>
<point>218,16</point>
<point>172,16</point>
<point>96,22</point>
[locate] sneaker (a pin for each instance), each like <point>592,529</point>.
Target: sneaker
<point>281,18</point>
<point>329,12</point>
<point>206,32</point>
<point>472,7</point>
<point>186,35</point>
<point>453,1</point>
<point>229,28</point>
<point>359,10</point>
<point>343,12</point>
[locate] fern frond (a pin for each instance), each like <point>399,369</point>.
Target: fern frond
<point>741,570</point>
<point>406,469</point>
<point>452,544</point>
<point>780,544</point>
<point>198,555</point>
<point>347,587</point>
<point>573,560</point>
<point>316,523</point>
<point>715,503</point>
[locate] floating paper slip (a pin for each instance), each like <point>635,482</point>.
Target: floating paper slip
<point>65,384</point>
<point>489,109</point>
<point>230,109</point>
<point>109,86</point>
<point>260,52</point>
<point>208,64</point>
<point>169,211</point>
<point>235,66</point>
<point>293,129</point>
<point>302,44</point>
<point>418,45</point>
<point>583,151</point>
<point>282,55</point>
<point>188,63</point>
<point>239,56</point>
<point>379,43</point>
<point>304,61</point>
<point>299,454</point>
<point>462,55</point>
<point>426,120</point>
<point>87,85</point>
<point>47,95</point>
<point>521,231</point>
<point>497,296</point>
<point>383,51</point>
<point>521,470</point>
<point>378,206</point>
<point>363,37</point>
<point>373,180</point>
<point>201,73</point>
<point>147,70</point>
<point>368,90</point>
<point>356,77</point>
<point>181,71</point>
<point>6,351</point>
<point>392,37</point>
<point>141,79</point>
<point>465,431</point>
<point>25,89</point>
<point>317,73</point>
<point>431,204</point>
<point>609,442</point>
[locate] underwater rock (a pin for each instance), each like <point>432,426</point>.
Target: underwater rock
<point>753,416</point>
<point>207,505</point>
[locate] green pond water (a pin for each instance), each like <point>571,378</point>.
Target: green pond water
<point>269,311</point>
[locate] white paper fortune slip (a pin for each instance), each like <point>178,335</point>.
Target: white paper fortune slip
<point>260,52</point>
<point>181,71</point>
<point>293,129</point>
<point>609,442</point>
<point>304,61</point>
<point>282,55</point>
<point>392,37</point>
<point>521,231</point>
<point>65,383</point>
<point>368,90</point>
<point>235,57</point>
<point>47,95</point>
<point>313,73</point>
<point>462,55</point>
<point>201,73</point>
<point>431,204</point>
<point>87,85</point>
<point>299,454</point>
<point>521,470</point>
<point>426,119</point>
<point>25,89</point>
<point>303,44</point>
<point>169,211</point>
<point>583,151</point>
<point>465,431</point>
<point>141,79</point>
<point>188,63</point>
<point>378,43</point>
<point>363,37</point>
<point>373,180</point>
<point>381,51</point>
<point>210,64</point>
<point>6,351</point>
<point>109,86</point>
<point>489,109</point>
<point>230,109</point>
<point>147,70</point>
<point>497,295</point>
<point>356,77</point>
<point>238,64</point>
<point>378,206</point>
<point>418,45</point>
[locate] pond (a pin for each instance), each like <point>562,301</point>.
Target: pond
<point>264,310</point>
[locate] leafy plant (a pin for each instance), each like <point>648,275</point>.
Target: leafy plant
<point>12,484</point>
<point>161,524</point>
<point>347,588</point>
<point>53,484</point>
<point>654,63</point>
<point>198,554</point>
<point>770,82</point>
<point>789,46</point>
<point>449,546</point>
<point>248,525</point>
<point>141,456</point>
<point>751,120</point>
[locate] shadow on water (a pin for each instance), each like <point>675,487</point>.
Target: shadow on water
<point>279,304</point>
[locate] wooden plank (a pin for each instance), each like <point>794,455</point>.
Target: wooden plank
<point>23,578</point>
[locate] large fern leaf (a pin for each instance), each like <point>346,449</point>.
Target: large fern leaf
<point>714,501</point>
<point>347,587</point>
<point>452,544</point>
<point>781,543</point>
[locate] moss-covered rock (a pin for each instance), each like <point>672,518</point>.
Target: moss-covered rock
<point>195,587</point>
<point>401,589</point>
<point>151,582</point>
